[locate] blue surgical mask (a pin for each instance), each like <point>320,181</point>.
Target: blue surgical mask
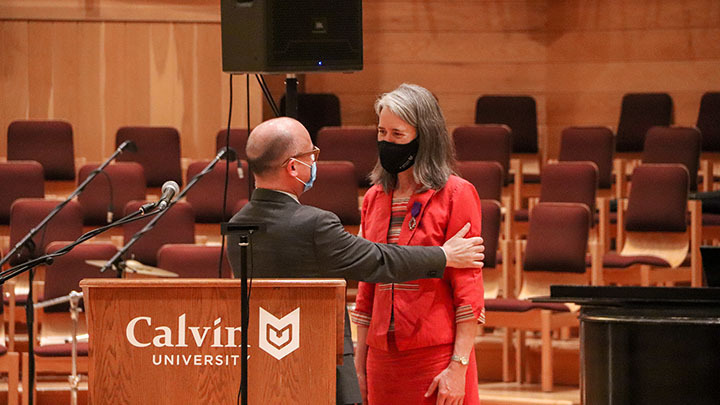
<point>313,175</point>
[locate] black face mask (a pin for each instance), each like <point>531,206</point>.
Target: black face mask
<point>396,158</point>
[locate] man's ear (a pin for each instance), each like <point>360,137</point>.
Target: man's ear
<point>291,168</point>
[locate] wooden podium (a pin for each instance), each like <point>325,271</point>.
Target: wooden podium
<point>178,341</point>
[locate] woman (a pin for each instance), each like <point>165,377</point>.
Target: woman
<point>415,340</point>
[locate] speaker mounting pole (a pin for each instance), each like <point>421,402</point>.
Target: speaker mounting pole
<point>291,84</point>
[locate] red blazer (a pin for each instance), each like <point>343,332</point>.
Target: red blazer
<point>425,311</point>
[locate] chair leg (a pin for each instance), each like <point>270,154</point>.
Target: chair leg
<point>506,344</point>
<point>25,380</point>
<point>520,357</point>
<point>645,275</point>
<point>546,376</point>
<point>13,377</point>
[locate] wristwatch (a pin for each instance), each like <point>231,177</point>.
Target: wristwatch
<point>460,359</point>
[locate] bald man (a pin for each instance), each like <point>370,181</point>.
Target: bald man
<point>304,241</point>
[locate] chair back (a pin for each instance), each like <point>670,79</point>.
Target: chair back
<point>675,145</point>
<point>65,273</point>
<point>491,219</point>
<point>575,182</point>
<point>517,112</point>
<point>557,239</point>
<point>708,121</point>
<point>487,177</point>
<point>356,145</point>
<point>238,141</point>
<point>335,190</point>
<point>27,213</point>
<point>176,226</point>
<point>658,199</point>
<point>19,179</point>
<point>110,190</point>
<point>158,151</point>
<point>47,142</point>
<point>640,112</point>
<point>491,143</point>
<point>206,196</point>
<point>316,110</point>
<point>593,144</point>
<point>193,261</point>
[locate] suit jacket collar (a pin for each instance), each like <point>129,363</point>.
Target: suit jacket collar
<point>265,194</point>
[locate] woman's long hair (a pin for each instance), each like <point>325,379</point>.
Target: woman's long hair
<point>435,161</point>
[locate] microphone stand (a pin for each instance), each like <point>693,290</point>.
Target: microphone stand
<point>27,241</point>
<point>116,260</point>
<point>48,259</point>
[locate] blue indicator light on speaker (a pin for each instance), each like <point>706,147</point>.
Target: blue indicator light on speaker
<point>320,63</point>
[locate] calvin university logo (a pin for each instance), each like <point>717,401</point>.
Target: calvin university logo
<point>279,337</point>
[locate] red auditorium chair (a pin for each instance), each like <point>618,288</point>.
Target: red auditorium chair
<point>519,113</point>
<point>655,243</point>
<point>47,142</point>
<point>640,112</point>
<point>708,121</point>
<point>675,145</point>
<point>316,110</point>
<point>487,177</point>
<point>18,179</point>
<point>176,226</point>
<point>593,144</point>
<point>336,191</point>
<point>562,182</point>
<point>490,143</point>
<point>597,145</point>
<point>206,196</point>
<point>193,261</point>
<point>53,325</point>
<point>110,191</point>
<point>554,253</point>
<point>356,145</point>
<point>158,151</point>
<point>238,141</point>
<point>26,213</point>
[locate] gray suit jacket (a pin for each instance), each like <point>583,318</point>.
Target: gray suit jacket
<point>303,241</point>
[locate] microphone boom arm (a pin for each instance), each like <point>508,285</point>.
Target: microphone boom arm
<point>151,224</point>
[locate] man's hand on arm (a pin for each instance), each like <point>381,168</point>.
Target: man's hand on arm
<point>461,252</point>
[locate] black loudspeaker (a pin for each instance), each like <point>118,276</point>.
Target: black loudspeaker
<point>283,36</point>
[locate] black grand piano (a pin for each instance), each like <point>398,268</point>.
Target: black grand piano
<point>647,345</point>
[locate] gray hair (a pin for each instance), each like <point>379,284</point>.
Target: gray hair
<point>435,161</point>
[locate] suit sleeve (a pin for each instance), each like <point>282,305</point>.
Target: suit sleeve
<point>343,255</point>
<point>467,284</point>
<point>365,297</point>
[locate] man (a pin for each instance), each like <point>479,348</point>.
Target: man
<point>304,241</point>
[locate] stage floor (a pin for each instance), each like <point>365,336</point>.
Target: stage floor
<point>500,393</point>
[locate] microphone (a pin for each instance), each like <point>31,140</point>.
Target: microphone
<point>169,189</point>
<point>128,146</point>
<point>228,154</point>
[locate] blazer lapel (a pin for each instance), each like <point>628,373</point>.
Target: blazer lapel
<point>383,209</point>
<point>406,234</point>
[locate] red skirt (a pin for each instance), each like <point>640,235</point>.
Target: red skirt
<point>403,377</point>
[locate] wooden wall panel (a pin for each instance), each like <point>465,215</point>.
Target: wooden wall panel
<point>101,75</point>
<point>13,74</point>
<point>576,57</point>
